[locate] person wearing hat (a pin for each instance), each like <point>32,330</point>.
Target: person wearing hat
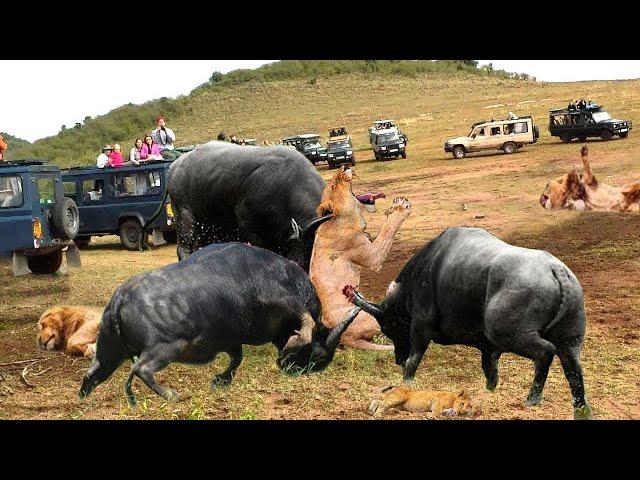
<point>222,137</point>
<point>103,158</point>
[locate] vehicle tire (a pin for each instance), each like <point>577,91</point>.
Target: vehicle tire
<point>170,236</point>
<point>605,135</point>
<point>331,165</point>
<point>458,151</point>
<point>582,139</point>
<point>49,263</point>
<point>403,154</point>
<point>82,241</point>
<point>564,138</point>
<point>509,147</point>
<point>130,234</point>
<point>624,135</point>
<point>65,219</point>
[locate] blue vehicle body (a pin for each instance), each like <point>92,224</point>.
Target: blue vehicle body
<point>119,201</point>
<point>29,192</point>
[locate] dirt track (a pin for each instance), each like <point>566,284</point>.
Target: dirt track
<point>496,192</point>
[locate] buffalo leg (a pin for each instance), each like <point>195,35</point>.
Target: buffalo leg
<point>154,360</point>
<point>186,227</point>
<point>419,343</point>
<point>541,351</point>
<point>226,377</point>
<point>490,359</point>
<point>570,359</point>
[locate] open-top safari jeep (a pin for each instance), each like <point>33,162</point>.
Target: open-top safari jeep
<point>37,222</point>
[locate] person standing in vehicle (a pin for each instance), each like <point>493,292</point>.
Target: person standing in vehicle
<point>164,137</point>
<point>115,158</point>
<point>3,148</point>
<point>134,154</point>
<point>103,159</point>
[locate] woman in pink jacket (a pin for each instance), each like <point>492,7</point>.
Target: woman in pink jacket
<point>115,158</point>
<point>150,150</point>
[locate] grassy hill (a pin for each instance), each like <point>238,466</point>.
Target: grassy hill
<point>272,101</point>
<point>14,143</point>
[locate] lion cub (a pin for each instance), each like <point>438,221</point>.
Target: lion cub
<point>437,402</point>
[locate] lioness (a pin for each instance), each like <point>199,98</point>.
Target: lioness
<point>342,248</point>
<point>584,192</point>
<point>72,329</point>
<point>437,402</point>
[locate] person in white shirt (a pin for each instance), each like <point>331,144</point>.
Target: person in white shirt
<point>103,158</point>
<point>164,137</point>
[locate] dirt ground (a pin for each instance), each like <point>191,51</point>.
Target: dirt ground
<point>494,191</point>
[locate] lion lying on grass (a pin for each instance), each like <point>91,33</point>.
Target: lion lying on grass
<point>437,402</point>
<point>340,251</point>
<point>71,329</point>
<point>585,192</point>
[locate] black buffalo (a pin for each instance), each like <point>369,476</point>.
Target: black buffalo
<point>468,287</point>
<point>224,296</point>
<point>222,192</point>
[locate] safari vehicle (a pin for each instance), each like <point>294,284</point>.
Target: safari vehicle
<point>309,145</point>
<point>591,121</point>
<point>340,151</point>
<point>384,125</point>
<point>37,222</point>
<point>506,135</point>
<point>119,201</point>
<point>387,143</point>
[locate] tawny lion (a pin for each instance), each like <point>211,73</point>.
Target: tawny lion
<point>342,248</point>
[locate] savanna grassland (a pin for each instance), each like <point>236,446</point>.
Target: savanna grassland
<point>491,190</point>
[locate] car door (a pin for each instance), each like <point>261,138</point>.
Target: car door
<point>93,206</point>
<point>16,228</point>
<point>478,139</point>
<point>495,139</point>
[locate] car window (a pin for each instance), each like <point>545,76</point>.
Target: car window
<point>46,189</point>
<point>601,116</point>
<point>520,127</point>
<point>136,184</point>
<point>480,133</point>
<point>558,119</point>
<point>574,119</point>
<point>69,189</point>
<point>496,131</point>
<point>92,190</point>
<point>11,192</point>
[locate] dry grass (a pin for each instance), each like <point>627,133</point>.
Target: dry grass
<point>499,193</point>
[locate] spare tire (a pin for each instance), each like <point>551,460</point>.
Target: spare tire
<point>536,132</point>
<point>65,219</point>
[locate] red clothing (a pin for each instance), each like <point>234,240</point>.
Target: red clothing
<point>3,147</point>
<point>115,159</point>
<point>144,153</point>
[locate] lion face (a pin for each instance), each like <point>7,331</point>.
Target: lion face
<point>564,192</point>
<point>462,404</point>
<point>50,335</point>
<point>338,198</point>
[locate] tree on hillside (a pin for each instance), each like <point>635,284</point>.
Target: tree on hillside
<point>215,77</point>
<point>471,63</point>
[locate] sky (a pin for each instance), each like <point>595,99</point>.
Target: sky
<point>39,96</point>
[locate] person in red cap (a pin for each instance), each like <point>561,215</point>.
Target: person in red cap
<point>3,147</point>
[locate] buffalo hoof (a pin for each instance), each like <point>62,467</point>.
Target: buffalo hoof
<point>533,400</point>
<point>408,381</point>
<point>221,381</point>
<point>491,386</point>
<point>582,413</point>
<point>132,401</point>
<point>170,395</point>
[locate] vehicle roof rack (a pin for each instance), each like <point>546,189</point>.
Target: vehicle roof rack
<point>21,163</point>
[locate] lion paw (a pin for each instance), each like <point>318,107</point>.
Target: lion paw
<point>400,205</point>
<point>90,351</point>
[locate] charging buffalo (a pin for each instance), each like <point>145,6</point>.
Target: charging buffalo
<point>468,287</point>
<point>266,196</point>
<point>224,296</point>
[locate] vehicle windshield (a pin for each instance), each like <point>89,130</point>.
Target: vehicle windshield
<point>601,116</point>
<point>313,146</point>
<point>340,146</point>
<point>10,192</point>
<point>388,137</point>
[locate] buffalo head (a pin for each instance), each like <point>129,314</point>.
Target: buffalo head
<point>302,354</point>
